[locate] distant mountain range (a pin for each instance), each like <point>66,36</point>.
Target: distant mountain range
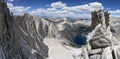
<point>32,37</point>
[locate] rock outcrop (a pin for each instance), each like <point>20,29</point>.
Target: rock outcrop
<point>19,38</point>
<point>97,18</point>
<point>102,37</point>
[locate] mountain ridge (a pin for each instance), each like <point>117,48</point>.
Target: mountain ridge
<point>31,37</point>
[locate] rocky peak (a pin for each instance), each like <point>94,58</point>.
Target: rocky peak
<point>17,42</point>
<point>100,16</point>
<point>26,15</point>
<point>102,37</point>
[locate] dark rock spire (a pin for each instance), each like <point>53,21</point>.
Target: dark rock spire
<point>97,18</point>
<point>11,37</point>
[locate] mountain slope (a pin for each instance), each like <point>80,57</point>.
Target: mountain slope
<point>31,37</point>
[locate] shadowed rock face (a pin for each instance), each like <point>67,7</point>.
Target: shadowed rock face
<point>19,38</point>
<point>31,40</point>
<point>102,38</point>
<point>99,39</point>
<point>96,18</point>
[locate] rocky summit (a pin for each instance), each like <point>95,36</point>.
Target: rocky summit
<point>32,37</point>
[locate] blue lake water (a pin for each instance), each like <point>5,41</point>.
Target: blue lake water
<point>80,40</point>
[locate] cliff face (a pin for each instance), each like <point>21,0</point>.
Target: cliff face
<point>7,41</point>
<point>102,41</point>
<point>18,38</point>
<point>96,18</point>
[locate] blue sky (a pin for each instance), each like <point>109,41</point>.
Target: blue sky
<point>63,8</point>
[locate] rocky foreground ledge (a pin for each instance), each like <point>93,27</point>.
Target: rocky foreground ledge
<point>31,37</point>
<point>104,45</point>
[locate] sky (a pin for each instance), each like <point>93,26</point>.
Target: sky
<point>63,8</point>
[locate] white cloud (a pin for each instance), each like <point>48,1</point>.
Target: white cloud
<point>96,5</point>
<point>86,7</point>
<point>118,15</point>
<point>58,13</point>
<point>115,11</point>
<point>51,9</point>
<point>78,8</point>
<point>10,5</point>
<point>17,9</point>
<point>58,4</point>
<point>38,11</point>
<point>60,9</point>
<point>50,13</point>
